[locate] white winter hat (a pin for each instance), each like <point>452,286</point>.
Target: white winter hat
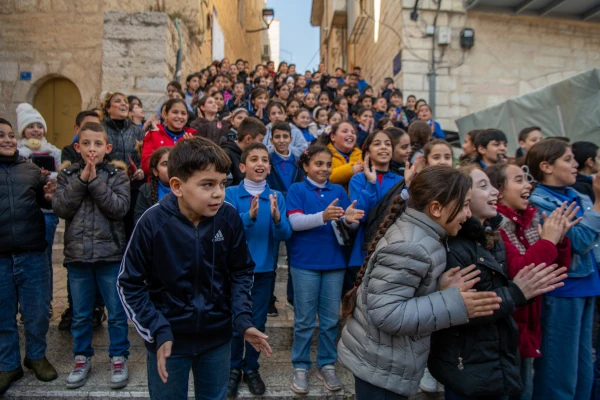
<point>27,115</point>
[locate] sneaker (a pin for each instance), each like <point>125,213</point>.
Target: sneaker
<point>428,383</point>
<point>329,378</point>
<point>80,373</point>
<point>119,373</point>
<point>44,371</point>
<point>235,376</point>
<point>98,317</point>
<point>255,382</point>
<point>65,320</point>
<point>300,381</point>
<point>6,378</point>
<point>272,311</point>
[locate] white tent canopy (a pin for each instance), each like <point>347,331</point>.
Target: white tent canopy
<point>569,108</point>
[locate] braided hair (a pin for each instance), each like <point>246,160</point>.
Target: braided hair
<point>443,184</point>
<point>154,160</point>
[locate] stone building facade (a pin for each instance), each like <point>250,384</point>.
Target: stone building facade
<point>514,53</point>
<point>67,53</point>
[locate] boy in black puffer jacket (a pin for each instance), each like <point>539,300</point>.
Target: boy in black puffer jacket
<point>24,273</point>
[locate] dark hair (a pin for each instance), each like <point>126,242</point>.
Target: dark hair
<point>497,175</point>
<point>411,95</point>
<point>190,77</point>
<point>281,126</point>
<point>350,92</point>
<point>420,134</point>
<point>196,154</point>
<point>396,133</point>
<point>338,100</point>
<point>83,114</point>
<point>238,60</point>
<point>175,84</point>
<point>584,151</point>
<point>318,110</point>
<point>442,184</point>
<point>256,80</point>
<point>252,127</point>
<point>5,122</point>
<point>365,97</point>
<point>257,92</point>
<point>169,104</point>
<point>312,84</point>
<point>397,92</point>
<point>369,140</point>
<point>326,93</point>
<point>130,100</point>
<point>325,139</point>
<point>310,152</point>
<point>154,159</point>
<point>486,136</point>
<point>525,132</point>
<point>363,110</point>
<point>548,150</point>
<point>300,111</point>
<point>290,101</point>
<point>271,104</point>
<point>383,122</point>
<point>249,148</point>
<point>429,146</point>
<point>94,127</point>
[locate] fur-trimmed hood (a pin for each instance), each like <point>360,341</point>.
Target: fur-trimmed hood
<point>108,165</point>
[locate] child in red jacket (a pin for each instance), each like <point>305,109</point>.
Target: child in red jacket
<point>527,242</point>
<point>175,117</point>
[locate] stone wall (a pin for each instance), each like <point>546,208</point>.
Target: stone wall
<point>513,55</point>
<point>49,39</point>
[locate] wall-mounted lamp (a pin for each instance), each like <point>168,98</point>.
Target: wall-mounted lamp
<point>268,15</point>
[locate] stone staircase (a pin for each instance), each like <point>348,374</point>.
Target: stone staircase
<point>276,371</point>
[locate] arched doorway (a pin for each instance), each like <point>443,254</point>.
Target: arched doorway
<point>59,102</point>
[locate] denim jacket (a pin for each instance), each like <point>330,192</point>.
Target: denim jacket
<point>585,236</point>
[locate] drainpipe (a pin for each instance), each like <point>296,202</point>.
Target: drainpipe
<point>432,75</point>
<point>179,52</point>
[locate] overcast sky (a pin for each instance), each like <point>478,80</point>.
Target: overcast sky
<point>298,36</point>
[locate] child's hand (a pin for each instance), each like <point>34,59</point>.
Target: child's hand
<point>370,173</point>
<point>411,171</point>
<point>553,226</point>
<point>164,352</point>
<point>464,279</point>
<point>356,168</point>
<point>371,126</point>
<point>254,207</point>
<point>49,190</point>
<point>138,175</point>
<point>45,172</point>
<point>352,214</point>
<point>569,218</point>
<point>187,135</point>
<point>85,173</point>
<point>480,304</point>
<point>154,121</point>
<point>333,212</point>
<point>536,280</point>
<point>258,340</point>
<point>275,208</point>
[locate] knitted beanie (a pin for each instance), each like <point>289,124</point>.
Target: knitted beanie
<point>27,115</point>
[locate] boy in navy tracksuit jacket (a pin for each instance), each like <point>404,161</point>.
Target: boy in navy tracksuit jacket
<point>263,213</point>
<point>186,277</point>
<point>284,166</point>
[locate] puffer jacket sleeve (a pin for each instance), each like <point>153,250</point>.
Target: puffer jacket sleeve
<point>299,144</point>
<point>397,272</point>
<point>113,200</point>
<point>511,295</point>
<point>70,192</point>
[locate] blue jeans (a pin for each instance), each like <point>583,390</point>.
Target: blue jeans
<point>565,370</point>
<point>261,296</point>
<point>316,292</point>
<point>210,369</point>
<point>83,279</point>
<point>51,224</point>
<point>24,286</point>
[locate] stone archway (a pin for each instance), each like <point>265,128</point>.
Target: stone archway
<point>59,102</point>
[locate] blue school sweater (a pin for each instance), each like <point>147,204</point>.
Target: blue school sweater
<point>367,195</point>
<point>317,248</point>
<point>262,234</point>
<point>283,173</point>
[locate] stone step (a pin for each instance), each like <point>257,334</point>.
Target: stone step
<point>276,372</point>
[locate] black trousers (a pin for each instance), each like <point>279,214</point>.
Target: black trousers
<point>366,391</point>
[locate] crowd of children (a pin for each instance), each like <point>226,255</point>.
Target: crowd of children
<point>471,275</point>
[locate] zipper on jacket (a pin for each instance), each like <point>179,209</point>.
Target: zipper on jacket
<point>9,182</point>
<point>196,273</point>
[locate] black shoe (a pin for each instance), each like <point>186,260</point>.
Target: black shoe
<point>255,382</point>
<point>65,320</point>
<point>98,317</point>
<point>6,378</point>
<point>272,311</point>
<point>235,376</point>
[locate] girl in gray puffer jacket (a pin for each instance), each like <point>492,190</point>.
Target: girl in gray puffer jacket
<point>397,302</point>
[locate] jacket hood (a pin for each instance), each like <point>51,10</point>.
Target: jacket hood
<point>421,219</point>
<point>231,146</point>
<point>472,229</point>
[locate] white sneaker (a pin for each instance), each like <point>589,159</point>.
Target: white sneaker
<point>119,377</point>
<point>428,383</point>
<point>80,372</point>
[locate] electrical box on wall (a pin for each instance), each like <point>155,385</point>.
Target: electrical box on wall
<point>443,35</point>
<point>467,38</point>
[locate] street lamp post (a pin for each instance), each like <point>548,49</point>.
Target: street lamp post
<point>268,14</point>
